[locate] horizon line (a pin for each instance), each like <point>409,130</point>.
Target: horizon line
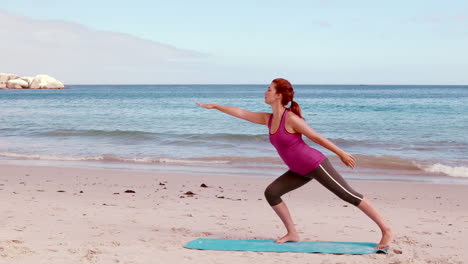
<point>349,84</point>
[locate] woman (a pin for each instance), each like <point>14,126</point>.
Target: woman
<point>286,127</point>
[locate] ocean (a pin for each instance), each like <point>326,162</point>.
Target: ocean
<point>397,132</point>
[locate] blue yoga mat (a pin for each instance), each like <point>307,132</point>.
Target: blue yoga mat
<point>355,248</point>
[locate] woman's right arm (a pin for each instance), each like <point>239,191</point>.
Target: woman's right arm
<point>254,117</point>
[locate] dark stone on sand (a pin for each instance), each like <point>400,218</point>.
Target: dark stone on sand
<point>129,191</point>
<point>203,185</point>
<point>162,184</point>
<point>60,191</point>
<point>81,191</point>
<point>189,193</point>
<point>220,197</point>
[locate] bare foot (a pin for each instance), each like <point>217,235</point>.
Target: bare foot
<point>289,237</point>
<point>387,238</point>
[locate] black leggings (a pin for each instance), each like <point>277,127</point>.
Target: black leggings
<point>325,174</point>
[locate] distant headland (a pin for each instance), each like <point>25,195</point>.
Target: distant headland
<point>41,81</point>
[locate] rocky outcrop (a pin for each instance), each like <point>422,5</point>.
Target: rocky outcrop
<point>27,79</point>
<point>17,84</point>
<point>41,81</point>
<point>4,78</point>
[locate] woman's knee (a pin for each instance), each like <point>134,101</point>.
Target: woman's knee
<point>272,197</point>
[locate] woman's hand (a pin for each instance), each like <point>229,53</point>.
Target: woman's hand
<point>207,106</point>
<point>348,159</point>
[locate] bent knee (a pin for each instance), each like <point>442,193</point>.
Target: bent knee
<point>272,197</point>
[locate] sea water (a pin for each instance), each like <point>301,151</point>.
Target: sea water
<point>404,132</point>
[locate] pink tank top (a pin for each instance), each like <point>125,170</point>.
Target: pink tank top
<point>298,156</point>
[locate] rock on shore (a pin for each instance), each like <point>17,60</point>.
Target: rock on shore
<point>41,81</point>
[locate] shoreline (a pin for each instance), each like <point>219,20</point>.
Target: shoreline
<point>262,171</point>
<point>83,215</point>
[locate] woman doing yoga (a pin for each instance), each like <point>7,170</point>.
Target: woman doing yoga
<point>286,127</point>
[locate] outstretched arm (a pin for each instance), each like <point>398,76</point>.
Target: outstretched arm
<point>301,126</point>
<point>254,117</point>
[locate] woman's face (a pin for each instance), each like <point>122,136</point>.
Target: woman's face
<point>270,94</point>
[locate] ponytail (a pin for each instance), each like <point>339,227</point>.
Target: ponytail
<point>296,109</point>
<point>285,88</point>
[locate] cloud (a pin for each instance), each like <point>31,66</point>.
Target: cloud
<point>77,54</point>
<point>320,23</point>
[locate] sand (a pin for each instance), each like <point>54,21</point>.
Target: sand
<point>70,215</point>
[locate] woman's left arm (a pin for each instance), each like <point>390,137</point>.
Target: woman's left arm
<point>300,126</point>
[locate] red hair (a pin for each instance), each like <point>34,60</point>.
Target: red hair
<point>285,88</point>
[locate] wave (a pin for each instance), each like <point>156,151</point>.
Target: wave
<point>112,158</point>
<point>363,162</point>
<point>395,163</point>
<point>229,137</point>
<point>164,138</point>
<point>98,133</point>
<point>109,158</point>
<point>176,137</point>
<point>386,163</point>
<point>245,160</point>
<point>447,170</point>
<point>135,136</point>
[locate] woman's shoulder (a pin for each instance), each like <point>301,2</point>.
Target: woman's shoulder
<point>292,116</point>
<point>293,120</point>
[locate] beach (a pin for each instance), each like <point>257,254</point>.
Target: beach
<point>83,215</point>
<point>131,132</point>
<point>113,173</point>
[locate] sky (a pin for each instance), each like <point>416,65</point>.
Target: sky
<point>236,42</point>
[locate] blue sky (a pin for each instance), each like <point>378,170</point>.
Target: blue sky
<point>313,42</point>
